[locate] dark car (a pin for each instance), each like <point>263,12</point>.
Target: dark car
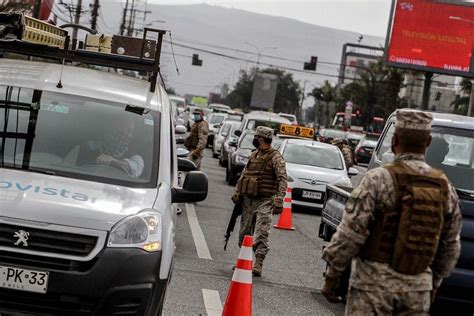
<point>364,149</point>
<point>328,135</point>
<point>452,151</point>
<point>239,157</point>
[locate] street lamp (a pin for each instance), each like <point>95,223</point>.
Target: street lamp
<point>259,51</point>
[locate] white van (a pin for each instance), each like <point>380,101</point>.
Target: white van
<point>88,185</point>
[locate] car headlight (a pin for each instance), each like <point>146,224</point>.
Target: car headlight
<point>344,183</point>
<point>241,160</point>
<point>142,231</point>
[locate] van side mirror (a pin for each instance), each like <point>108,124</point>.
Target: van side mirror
<point>353,172</point>
<point>182,153</point>
<point>186,165</point>
<point>238,133</point>
<point>233,143</point>
<point>194,189</point>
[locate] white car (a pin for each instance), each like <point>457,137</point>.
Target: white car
<point>215,121</point>
<point>310,166</point>
<point>226,128</point>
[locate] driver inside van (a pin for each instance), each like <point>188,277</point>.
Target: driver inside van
<point>113,150</point>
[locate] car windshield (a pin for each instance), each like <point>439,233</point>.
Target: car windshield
<point>452,150</point>
<point>313,156</point>
<point>334,134</point>
<point>78,137</point>
<point>216,119</point>
<point>246,142</point>
<point>253,124</point>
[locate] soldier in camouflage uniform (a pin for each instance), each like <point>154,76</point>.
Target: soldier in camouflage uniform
<point>346,152</point>
<point>197,140</point>
<point>261,190</point>
<point>400,229</point>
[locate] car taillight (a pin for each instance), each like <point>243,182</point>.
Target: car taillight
<point>361,150</point>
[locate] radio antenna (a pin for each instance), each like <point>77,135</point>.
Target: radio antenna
<point>60,85</point>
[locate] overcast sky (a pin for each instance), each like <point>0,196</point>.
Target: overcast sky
<point>362,16</point>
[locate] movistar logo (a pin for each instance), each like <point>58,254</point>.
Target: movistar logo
<point>7,185</point>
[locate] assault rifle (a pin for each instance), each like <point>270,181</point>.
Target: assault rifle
<point>230,228</point>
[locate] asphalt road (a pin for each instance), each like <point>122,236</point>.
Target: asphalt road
<point>293,269</point>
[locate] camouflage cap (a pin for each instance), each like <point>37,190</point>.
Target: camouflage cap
<point>414,119</point>
<point>265,132</point>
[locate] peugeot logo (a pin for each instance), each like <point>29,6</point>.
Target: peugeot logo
<point>22,238</point>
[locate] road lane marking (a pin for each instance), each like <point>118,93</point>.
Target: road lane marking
<point>196,231</point>
<point>212,302</point>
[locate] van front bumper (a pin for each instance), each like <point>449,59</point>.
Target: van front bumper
<point>456,291</point>
<point>119,281</point>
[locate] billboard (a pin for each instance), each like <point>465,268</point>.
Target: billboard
<point>264,91</point>
<point>431,35</point>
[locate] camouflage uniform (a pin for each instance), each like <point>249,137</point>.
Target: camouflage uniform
<point>260,208</point>
<point>375,287</point>
<point>197,141</point>
<point>346,152</point>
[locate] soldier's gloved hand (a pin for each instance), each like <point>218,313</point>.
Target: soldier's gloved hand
<point>329,289</point>
<point>277,210</point>
<point>235,198</point>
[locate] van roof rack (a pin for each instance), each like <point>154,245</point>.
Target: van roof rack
<point>25,35</point>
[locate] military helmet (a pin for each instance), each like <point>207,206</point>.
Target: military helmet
<point>264,132</point>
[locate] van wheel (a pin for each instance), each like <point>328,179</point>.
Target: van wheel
<point>214,155</point>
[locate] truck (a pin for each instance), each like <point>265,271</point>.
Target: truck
<point>89,184</point>
<point>451,134</point>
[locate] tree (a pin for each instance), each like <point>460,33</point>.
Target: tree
<point>324,95</point>
<point>461,103</point>
<point>287,96</point>
<point>376,93</point>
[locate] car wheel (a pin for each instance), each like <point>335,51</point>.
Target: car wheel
<point>214,155</point>
<point>221,160</point>
<point>227,175</point>
<point>232,179</point>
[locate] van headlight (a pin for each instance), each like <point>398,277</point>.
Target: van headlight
<point>344,183</point>
<point>138,231</point>
<point>241,160</point>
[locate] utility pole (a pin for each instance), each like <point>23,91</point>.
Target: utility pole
<point>94,14</point>
<point>77,18</point>
<point>124,18</point>
<point>130,19</point>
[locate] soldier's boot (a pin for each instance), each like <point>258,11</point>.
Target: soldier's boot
<point>258,266</point>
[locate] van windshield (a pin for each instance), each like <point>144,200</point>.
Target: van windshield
<point>78,137</point>
<point>452,150</point>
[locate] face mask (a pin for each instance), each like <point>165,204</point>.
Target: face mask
<point>197,117</point>
<point>256,143</point>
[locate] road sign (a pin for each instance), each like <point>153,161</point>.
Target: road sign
<point>264,91</point>
<point>348,112</point>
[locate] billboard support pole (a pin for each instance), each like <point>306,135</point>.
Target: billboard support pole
<point>426,90</point>
<point>470,110</point>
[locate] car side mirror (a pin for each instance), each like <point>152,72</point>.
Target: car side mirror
<point>216,126</point>
<point>180,129</point>
<point>238,133</point>
<point>182,153</point>
<point>186,165</point>
<point>194,189</point>
<point>353,172</point>
<point>233,143</point>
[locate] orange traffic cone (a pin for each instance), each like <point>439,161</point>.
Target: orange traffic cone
<point>239,298</point>
<point>285,220</point>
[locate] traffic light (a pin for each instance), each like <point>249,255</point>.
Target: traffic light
<point>196,60</point>
<point>438,96</point>
<point>312,64</point>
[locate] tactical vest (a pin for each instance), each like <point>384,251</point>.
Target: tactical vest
<point>407,236</point>
<point>259,179</point>
<point>193,138</point>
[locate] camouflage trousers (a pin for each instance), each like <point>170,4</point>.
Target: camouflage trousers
<point>196,159</point>
<point>258,212</point>
<point>381,302</point>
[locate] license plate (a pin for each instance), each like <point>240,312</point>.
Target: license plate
<point>23,279</point>
<point>312,195</point>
